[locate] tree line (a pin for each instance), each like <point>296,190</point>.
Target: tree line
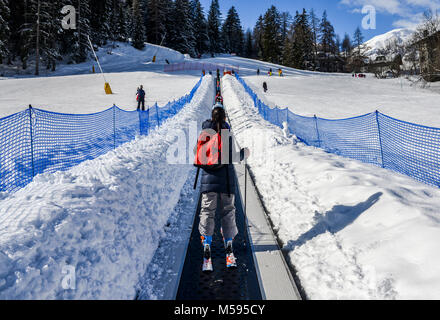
<point>32,30</point>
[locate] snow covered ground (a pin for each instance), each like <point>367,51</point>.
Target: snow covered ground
<point>353,231</point>
<point>104,217</point>
<point>337,96</point>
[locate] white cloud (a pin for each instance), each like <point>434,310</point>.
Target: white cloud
<point>409,13</point>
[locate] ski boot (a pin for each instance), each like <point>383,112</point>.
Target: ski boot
<point>231,261</point>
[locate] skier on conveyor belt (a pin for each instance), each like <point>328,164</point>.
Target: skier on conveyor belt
<point>218,185</point>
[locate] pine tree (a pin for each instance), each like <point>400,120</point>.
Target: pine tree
<point>200,27</point>
<point>300,50</point>
<point>272,45</point>
<point>155,21</point>
<point>286,22</point>
<point>119,18</point>
<point>137,26</point>
<point>314,27</point>
<point>346,45</point>
<point>258,37</point>
<point>40,32</point>
<point>183,39</point>
<point>358,40</point>
<point>327,35</point>
<point>100,21</point>
<point>232,32</point>
<point>83,31</point>
<point>214,25</point>
<point>249,45</point>
<point>338,45</point>
<point>4,30</point>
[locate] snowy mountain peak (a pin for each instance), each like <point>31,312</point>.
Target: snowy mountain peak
<point>381,41</point>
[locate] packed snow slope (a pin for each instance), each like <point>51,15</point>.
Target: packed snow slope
<point>337,96</point>
<point>74,89</point>
<point>104,217</point>
<point>352,230</point>
<point>117,57</point>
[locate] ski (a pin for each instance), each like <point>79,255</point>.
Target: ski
<point>207,261</point>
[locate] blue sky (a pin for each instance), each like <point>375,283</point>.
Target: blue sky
<point>345,15</point>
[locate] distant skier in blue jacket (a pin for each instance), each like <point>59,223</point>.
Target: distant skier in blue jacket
<point>141,98</point>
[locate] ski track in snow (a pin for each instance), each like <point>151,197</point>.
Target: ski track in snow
<point>104,217</point>
<point>352,230</point>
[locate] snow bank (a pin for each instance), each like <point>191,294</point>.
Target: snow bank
<point>353,231</point>
<point>104,218</point>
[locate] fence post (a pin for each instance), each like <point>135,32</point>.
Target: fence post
<point>317,131</point>
<point>32,139</point>
<point>114,126</point>
<point>380,138</point>
<point>157,115</point>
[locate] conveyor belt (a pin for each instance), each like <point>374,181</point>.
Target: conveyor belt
<point>222,284</point>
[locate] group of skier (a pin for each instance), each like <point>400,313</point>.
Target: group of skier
<point>270,72</point>
<point>217,182</point>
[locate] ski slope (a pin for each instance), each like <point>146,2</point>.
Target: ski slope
<point>338,96</point>
<point>352,230</point>
<point>74,89</point>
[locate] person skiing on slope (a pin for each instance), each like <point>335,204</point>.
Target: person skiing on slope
<point>217,185</point>
<point>265,87</point>
<point>141,98</point>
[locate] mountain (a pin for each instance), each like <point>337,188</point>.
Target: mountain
<point>380,42</point>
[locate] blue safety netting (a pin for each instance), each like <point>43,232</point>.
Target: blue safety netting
<point>374,138</point>
<point>36,141</point>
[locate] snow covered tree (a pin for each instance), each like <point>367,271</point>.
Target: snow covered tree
<point>232,33</point>
<point>137,26</point>
<point>271,40</point>
<point>4,29</point>
<point>119,21</point>
<point>182,36</point>
<point>100,21</point>
<point>156,20</point>
<point>200,27</point>
<point>214,25</point>
<point>81,45</point>
<point>40,32</point>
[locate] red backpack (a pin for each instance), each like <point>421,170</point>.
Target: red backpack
<point>209,150</point>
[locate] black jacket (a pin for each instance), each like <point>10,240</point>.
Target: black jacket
<point>217,181</point>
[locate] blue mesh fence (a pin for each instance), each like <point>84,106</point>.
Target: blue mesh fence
<point>375,138</point>
<point>36,141</point>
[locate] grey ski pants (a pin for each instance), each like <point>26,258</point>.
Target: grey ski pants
<point>207,215</point>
